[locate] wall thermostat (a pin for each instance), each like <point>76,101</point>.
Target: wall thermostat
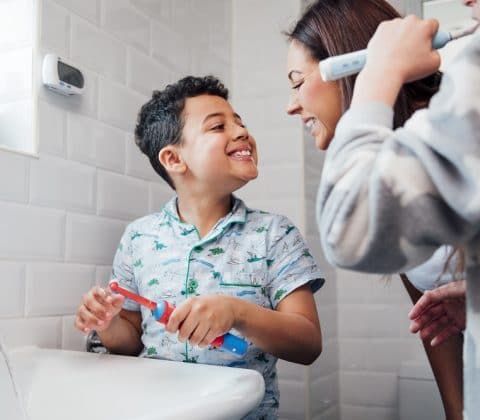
<point>62,77</point>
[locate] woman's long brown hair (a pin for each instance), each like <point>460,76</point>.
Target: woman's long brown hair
<point>333,27</point>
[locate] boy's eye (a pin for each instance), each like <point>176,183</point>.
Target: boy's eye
<point>218,127</point>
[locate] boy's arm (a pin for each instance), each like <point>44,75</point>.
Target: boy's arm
<point>389,198</point>
<point>123,336</point>
<point>291,332</point>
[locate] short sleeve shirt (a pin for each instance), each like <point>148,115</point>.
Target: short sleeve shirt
<point>252,255</point>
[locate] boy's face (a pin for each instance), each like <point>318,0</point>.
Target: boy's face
<point>217,148</point>
<point>475,5</point>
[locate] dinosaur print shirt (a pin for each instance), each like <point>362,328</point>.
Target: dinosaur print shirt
<point>253,255</point>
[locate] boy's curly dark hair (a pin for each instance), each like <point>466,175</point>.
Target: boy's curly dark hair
<point>160,123</point>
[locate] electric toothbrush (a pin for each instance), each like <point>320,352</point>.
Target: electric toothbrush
<point>162,311</point>
<point>334,68</point>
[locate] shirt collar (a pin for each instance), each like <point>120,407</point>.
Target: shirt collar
<point>238,213</point>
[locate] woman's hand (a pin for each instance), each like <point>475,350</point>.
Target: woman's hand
<point>440,313</point>
<point>202,319</point>
<point>97,310</point>
<point>403,48</point>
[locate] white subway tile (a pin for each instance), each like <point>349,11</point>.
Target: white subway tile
<point>55,28</point>
<point>56,289</point>
<point>146,74</point>
<point>263,111</point>
<point>92,240</point>
<point>369,389</point>
<point>172,48</point>
<point>118,105</point>
<point>291,371</point>
<point>51,126</point>
<point>353,321</point>
<point>42,332</point>
<point>121,197</point>
<point>292,400</point>
<point>159,195</point>
<point>324,393</point>
<point>88,9</point>
<point>95,143</point>
<point>120,18</point>
<point>327,363</point>
<point>276,147</point>
<point>276,181</point>
<point>31,232</point>
<point>102,276</point>
<point>331,413</point>
<point>98,51</point>
<point>14,177</point>
<point>138,164</point>
<point>62,184</point>
<point>360,412</point>
<point>158,9</point>
<point>12,299</point>
<point>72,339</point>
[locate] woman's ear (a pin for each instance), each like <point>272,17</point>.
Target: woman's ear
<point>172,160</point>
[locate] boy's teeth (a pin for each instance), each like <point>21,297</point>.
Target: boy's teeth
<point>242,153</point>
<point>309,123</point>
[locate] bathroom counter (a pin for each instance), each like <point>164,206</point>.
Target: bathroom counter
<point>59,385</point>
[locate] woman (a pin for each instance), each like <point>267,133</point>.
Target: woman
<point>332,27</point>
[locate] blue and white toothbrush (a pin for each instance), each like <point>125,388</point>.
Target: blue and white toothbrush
<point>334,68</point>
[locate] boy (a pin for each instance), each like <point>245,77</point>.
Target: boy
<point>222,264</point>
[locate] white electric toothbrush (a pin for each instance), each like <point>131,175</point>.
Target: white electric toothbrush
<point>334,68</point>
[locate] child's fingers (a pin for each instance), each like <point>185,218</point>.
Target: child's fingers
<point>187,328</point>
<point>198,334</point>
<point>88,319</point>
<point>208,339</point>
<point>178,316</point>
<point>100,309</point>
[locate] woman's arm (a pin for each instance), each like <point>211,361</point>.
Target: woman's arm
<point>446,363</point>
<point>388,198</point>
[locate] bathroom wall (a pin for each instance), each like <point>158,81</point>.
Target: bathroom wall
<point>63,213</point>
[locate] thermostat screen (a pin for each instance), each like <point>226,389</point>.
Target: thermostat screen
<point>70,75</point>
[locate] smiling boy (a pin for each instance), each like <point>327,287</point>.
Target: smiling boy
<point>225,266</point>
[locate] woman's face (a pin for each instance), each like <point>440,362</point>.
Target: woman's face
<point>318,103</point>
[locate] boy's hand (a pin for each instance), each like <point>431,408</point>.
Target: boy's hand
<point>99,306</point>
<point>402,48</point>
<point>202,319</point>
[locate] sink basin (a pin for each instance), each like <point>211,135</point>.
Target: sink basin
<point>59,385</point>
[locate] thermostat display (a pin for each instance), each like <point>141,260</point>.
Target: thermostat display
<point>62,77</point>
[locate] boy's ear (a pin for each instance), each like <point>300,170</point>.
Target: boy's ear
<point>172,160</point>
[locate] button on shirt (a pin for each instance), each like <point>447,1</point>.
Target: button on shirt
<point>252,255</point>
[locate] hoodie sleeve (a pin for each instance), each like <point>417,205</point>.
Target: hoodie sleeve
<point>389,198</point>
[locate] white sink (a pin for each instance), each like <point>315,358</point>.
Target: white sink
<point>59,385</point>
